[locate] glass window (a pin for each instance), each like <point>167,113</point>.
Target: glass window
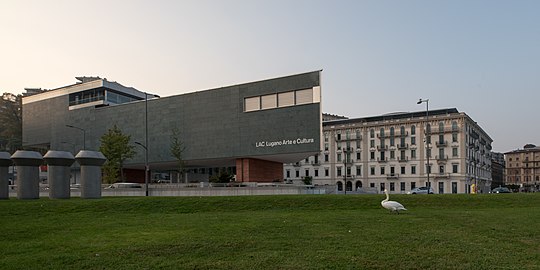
<point>392,132</point>
<point>454,126</point>
<point>358,170</point>
<point>338,171</point>
<point>413,140</point>
<point>392,186</point>
<point>372,133</point>
<point>413,130</point>
<point>454,152</point>
<point>372,170</point>
<point>441,127</point>
<point>413,169</point>
<point>413,154</point>
<point>454,168</point>
<point>402,186</point>
<point>316,172</point>
<point>402,169</point>
<point>326,172</point>
<point>454,137</point>
<point>382,170</point>
<point>372,155</point>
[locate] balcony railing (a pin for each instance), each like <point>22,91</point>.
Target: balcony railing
<point>392,176</point>
<point>403,146</point>
<point>441,158</point>
<point>442,175</point>
<point>382,148</point>
<point>403,159</point>
<point>441,143</point>
<point>382,160</point>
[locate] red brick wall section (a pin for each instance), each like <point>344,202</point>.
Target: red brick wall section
<point>257,170</point>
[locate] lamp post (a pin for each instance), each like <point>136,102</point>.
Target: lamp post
<point>428,133</point>
<point>84,134</point>
<point>146,167</point>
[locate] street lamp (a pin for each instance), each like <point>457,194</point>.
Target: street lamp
<point>428,131</point>
<point>146,167</point>
<point>84,134</point>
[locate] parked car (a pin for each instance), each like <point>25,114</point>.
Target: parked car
<point>421,190</point>
<point>124,185</point>
<point>501,190</point>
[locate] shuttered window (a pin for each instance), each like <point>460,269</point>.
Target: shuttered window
<point>286,99</point>
<point>304,96</point>
<point>252,104</point>
<point>269,102</point>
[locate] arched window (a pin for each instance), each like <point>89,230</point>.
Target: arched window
<point>349,186</point>
<point>339,186</point>
<point>413,130</point>
<point>382,132</point>
<point>402,130</point>
<point>454,126</point>
<point>392,132</point>
<point>372,133</point>
<point>358,185</point>
<point>441,126</point>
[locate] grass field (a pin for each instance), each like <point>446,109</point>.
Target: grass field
<point>491,231</point>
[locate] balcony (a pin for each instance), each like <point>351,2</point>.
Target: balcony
<point>403,159</point>
<point>382,160</point>
<point>382,136</point>
<point>441,143</point>
<point>316,163</point>
<point>442,175</point>
<point>441,158</point>
<point>392,176</point>
<point>405,134</point>
<point>403,146</point>
<point>382,148</point>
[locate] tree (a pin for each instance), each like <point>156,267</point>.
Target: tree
<point>177,150</point>
<point>116,147</point>
<point>10,122</point>
<point>222,177</point>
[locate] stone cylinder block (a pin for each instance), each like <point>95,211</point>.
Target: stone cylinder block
<point>91,162</point>
<point>5,162</point>
<point>27,163</point>
<point>59,163</point>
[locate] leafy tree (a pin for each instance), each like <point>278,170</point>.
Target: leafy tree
<point>307,180</point>
<point>222,177</point>
<point>116,147</point>
<point>177,150</point>
<point>10,122</point>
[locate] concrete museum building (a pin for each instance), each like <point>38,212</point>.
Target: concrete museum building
<point>251,128</point>
<point>390,151</point>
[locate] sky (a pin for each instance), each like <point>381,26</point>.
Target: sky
<point>379,56</point>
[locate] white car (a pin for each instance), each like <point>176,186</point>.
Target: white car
<point>421,190</point>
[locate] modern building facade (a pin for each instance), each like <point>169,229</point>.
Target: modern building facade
<point>253,127</point>
<point>389,151</point>
<point>523,168</point>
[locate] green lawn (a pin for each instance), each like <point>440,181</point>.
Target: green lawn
<point>491,231</point>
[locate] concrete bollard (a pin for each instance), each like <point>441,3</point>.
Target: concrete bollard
<point>5,162</point>
<point>59,163</point>
<point>91,162</point>
<point>27,163</point>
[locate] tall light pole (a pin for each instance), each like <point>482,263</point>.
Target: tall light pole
<point>428,133</point>
<point>84,134</point>
<point>145,146</point>
<point>146,167</point>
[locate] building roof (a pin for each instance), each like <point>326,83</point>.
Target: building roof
<point>392,116</point>
<point>526,149</point>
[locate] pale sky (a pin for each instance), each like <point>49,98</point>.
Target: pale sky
<point>481,57</point>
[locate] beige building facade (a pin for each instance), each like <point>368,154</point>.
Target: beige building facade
<point>523,168</point>
<point>390,151</point>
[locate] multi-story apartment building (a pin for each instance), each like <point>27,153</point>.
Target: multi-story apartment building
<point>392,151</point>
<point>523,167</point>
<point>498,166</point>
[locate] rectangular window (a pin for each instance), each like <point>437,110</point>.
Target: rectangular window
<point>307,173</point>
<point>371,185</point>
<point>304,96</point>
<point>454,137</point>
<point>338,171</point>
<point>326,157</point>
<point>382,186</point>
<point>252,104</point>
<point>372,155</point>
<point>382,170</point>
<point>372,143</point>
<point>338,157</point>
<point>413,154</point>
<point>454,168</point>
<point>402,186</point>
<point>288,174</point>
<point>454,152</point>
<point>358,156</point>
<point>413,169</point>
<point>297,174</point>
<point>286,99</point>
<point>326,172</point>
<point>372,170</point>
<point>454,187</point>
<point>358,170</point>
<point>269,102</point>
<point>392,154</point>
<point>441,187</point>
<point>413,185</point>
<point>392,170</point>
<point>392,186</point>
<point>316,172</point>
<point>441,169</point>
<point>413,140</point>
<point>402,169</point>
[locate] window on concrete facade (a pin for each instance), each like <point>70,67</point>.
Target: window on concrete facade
<point>358,156</point>
<point>252,104</point>
<point>372,155</point>
<point>413,169</point>
<point>454,168</point>
<point>286,99</point>
<point>307,172</point>
<point>372,143</point>
<point>338,157</point>
<point>454,126</point>
<point>326,157</point>
<point>382,186</point>
<point>372,133</point>
<point>382,170</point>
<point>316,172</point>
<point>358,170</point>
<point>413,154</point>
<point>402,186</point>
<point>304,96</point>
<point>454,187</point>
<point>326,172</point>
<point>288,174</point>
<point>454,137</point>
<point>441,127</point>
<point>297,173</point>
<point>402,169</point>
<point>413,140</point>
<point>268,102</point>
<point>413,185</point>
<point>338,171</point>
<point>372,170</point>
<point>454,152</point>
<point>413,130</point>
<point>392,186</point>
